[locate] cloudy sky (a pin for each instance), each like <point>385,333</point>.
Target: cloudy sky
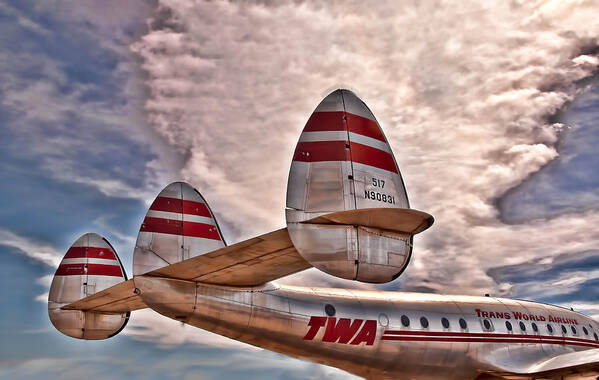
<point>490,108</point>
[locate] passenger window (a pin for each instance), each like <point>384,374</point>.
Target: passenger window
<point>463,323</point>
<point>550,328</point>
<point>508,325</point>
<point>487,324</point>
<point>535,327</point>
<point>405,320</point>
<point>573,330</point>
<point>445,322</point>
<point>522,326</point>
<point>564,329</point>
<point>584,329</point>
<point>596,338</point>
<point>424,322</point>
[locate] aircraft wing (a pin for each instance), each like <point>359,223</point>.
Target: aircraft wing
<point>119,298</point>
<point>580,363</point>
<point>573,365</point>
<point>248,263</point>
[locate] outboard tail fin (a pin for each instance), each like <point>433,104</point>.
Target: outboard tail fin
<point>90,265</point>
<point>179,225</point>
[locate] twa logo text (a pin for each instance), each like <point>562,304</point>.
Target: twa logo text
<point>343,330</point>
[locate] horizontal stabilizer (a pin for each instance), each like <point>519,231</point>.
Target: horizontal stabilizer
<point>249,263</point>
<point>120,298</point>
<point>402,220</point>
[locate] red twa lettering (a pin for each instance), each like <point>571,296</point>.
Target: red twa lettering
<point>342,331</point>
<point>367,334</point>
<point>315,324</point>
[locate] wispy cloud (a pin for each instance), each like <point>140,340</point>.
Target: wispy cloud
<point>464,104</point>
<point>30,248</point>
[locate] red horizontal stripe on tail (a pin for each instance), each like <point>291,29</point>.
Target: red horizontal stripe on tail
<point>325,121</point>
<point>177,227</point>
<point>92,269</point>
<point>104,270</point>
<point>167,204</point>
<point>92,252</point>
<point>333,121</point>
<point>367,155</point>
<point>365,127</point>
<point>316,151</point>
<point>200,230</point>
<point>164,226</point>
<point>70,269</point>
<point>180,206</point>
<point>196,208</point>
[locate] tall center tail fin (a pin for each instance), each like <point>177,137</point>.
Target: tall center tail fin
<point>347,207</point>
<point>179,225</point>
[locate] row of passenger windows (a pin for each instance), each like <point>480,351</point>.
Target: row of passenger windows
<point>405,321</point>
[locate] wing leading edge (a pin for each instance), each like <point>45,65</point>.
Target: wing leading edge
<point>248,263</point>
<point>573,365</point>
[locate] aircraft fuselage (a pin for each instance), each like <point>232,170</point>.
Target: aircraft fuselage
<point>377,334</point>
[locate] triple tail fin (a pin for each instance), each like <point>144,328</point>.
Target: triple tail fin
<point>179,225</point>
<point>90,265</point>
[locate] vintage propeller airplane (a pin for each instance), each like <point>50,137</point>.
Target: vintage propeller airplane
<point>347,215</point>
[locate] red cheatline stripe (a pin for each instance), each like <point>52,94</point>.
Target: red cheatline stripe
<point>367,155</point>
<point>180,206</point>
<point>325,121</point>
<point>315,151</point>
<point>486,340</point>
<point>177,227</point>
<point>365,127</point>
<point>92,269</point>
<point>487,335</point>
<point>92,252</point>
<point>491,335</point>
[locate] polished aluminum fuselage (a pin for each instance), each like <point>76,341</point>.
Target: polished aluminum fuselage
<point>293,321</point>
